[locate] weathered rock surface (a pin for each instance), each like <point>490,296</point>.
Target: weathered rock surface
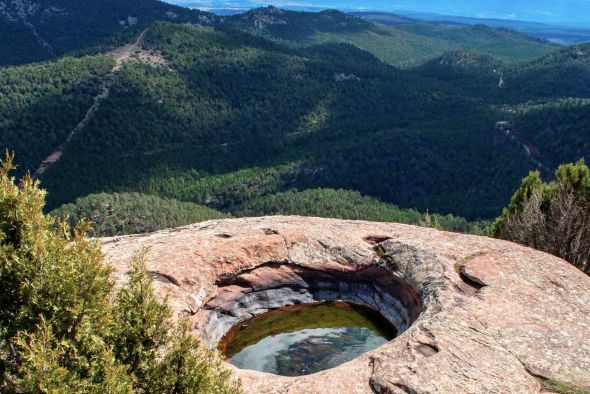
<point>275,285</point>
<point>494,315</point>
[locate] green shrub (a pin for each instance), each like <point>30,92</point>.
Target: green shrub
<point>553,217</point>
<point>58,330</point>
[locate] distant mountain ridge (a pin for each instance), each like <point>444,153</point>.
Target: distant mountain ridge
<point>554,33</point>
<point>408,43</point>
<point>559,12</point>
<point>34,30</point>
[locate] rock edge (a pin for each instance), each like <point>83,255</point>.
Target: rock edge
<point>496,316</point>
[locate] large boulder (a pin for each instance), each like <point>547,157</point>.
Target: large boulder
<point>488,315</point>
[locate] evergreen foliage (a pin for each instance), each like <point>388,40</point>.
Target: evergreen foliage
<point>502,44</point>
<point>404,45</point>
<point>560,74</point>
<point>161,357</point>
<point>553,217</point>
<point>234,116</point>
<point>349,205</point>
<point>133,213</point>
<point>235,102</point>
<point>68,25</point>
<point>222,191</point>
<point>558,129</point>
<point>60,333</point>
<point>64,88</point>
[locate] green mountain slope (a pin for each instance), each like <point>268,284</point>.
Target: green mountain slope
<point>470,72</point>
<point>221,117</point>
<point>132,213</point>
<point>346,204</point>
<point>559,130</point>
<point>33,30</point>
<point>228,102</point>
<point>300,29</point>
<point>503,44</point>
<point>406,44</point>
<point>565,72</point>
<point>40,103</point>
<point>550,111</point>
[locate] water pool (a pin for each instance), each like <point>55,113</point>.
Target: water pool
<point>304,339</point>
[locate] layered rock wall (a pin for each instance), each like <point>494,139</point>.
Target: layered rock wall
<point>273,286</point>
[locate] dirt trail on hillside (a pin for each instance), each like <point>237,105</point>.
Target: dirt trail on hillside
<point>120,55</point>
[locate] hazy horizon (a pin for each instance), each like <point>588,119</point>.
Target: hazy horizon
<point>561,12</point>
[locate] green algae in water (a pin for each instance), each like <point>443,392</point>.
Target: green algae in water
<point>304,339</point>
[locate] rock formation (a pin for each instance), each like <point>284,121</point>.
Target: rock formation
<point>476,314</point>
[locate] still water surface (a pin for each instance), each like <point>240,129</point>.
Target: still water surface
<point>304,339</point>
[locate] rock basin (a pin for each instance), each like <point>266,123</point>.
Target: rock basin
<point>476,314</point>
<point>275,285</point>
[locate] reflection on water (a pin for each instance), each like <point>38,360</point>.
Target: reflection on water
<point>302,340</point>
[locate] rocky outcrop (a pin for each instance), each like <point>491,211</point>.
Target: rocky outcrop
<point>265,16</point>
<point>481,315</point>
<point>339,77</point>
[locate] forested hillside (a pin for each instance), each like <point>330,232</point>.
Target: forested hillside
<point>345,204</point>
<point>133,213</point>
<point>405,44</point>
<point>261,121</point>
<point>556,33</point>
<point>562,73</point>
<point>63,89</point>
<point>33,30</point>
<point>233,102</point>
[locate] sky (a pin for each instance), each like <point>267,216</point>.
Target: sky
<point>563,12</point>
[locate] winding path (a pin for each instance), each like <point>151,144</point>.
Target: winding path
<point>120,55</point>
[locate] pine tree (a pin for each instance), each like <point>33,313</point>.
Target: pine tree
<point>143,325</point>
<point>553,217</point>
<point>54,299</point>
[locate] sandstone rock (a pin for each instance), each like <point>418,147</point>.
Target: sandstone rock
<point>488,315</point>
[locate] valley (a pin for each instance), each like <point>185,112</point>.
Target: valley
<point>281,201</point>
<point>249,113</point>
